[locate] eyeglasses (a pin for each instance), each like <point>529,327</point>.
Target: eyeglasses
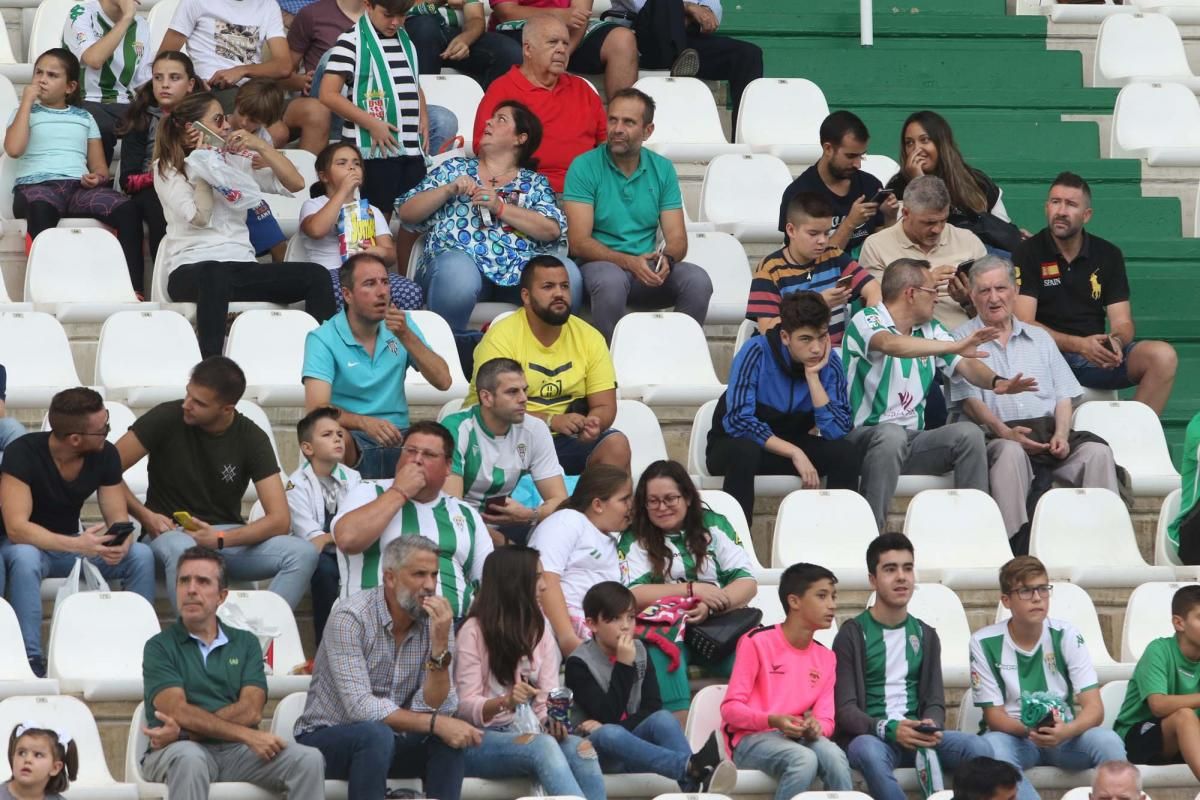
<point>1027,592</point>
<point>668,501</point>
<point>417,452</point>
<point>105,432</point>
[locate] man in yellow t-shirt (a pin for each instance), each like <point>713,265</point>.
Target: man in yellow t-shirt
<point>572,385</point>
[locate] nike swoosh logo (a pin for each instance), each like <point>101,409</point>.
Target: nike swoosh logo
<point>351,363</point>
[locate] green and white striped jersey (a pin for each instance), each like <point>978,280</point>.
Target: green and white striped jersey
<point>1001,672</point>
<point>451,524</point>
<point>492,465</point>
<point>892,666</point>
<point>125,70</point>
<point>887,389</point>
<point>727,560</point>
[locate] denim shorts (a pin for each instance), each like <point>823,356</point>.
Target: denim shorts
<point>573,454</point>
<point>1094,377</point>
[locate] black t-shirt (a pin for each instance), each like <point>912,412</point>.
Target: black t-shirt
<point>861,184</point>
<point>201,473</point>
<point>3,382</point>
<point>56,502</point>
<point>1072,298</point>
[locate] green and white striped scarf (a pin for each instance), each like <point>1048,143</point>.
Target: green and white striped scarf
<point>374,90</point>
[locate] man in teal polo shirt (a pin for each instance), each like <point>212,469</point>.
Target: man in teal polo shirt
<point>205,690</point>
<point>357,361</point>
<point>616,198</point>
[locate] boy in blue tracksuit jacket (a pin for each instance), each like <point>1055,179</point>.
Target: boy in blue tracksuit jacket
<point>786,410</point>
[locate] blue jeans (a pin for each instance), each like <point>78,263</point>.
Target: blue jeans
<point>656,745</point>
<point>27,566</point>
<point>877,760</point>
<point>1096,377</point>
<point>376,461</point>
<point>288,561</point>
<point>490,57</point>
<point>10,430</point>
<point>557,766</point>
<point>366,754</point>
<point>453,284</point>
<point>1083,752</point>
<point>794,764</point>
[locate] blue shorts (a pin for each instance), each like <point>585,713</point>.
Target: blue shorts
<point>263,228</point>
<point>1094,377</point>
<point>573,454</point>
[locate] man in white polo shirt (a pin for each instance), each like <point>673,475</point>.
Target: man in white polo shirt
<point>495,445</point>
<point>891,352</point>
<point>413,504</point>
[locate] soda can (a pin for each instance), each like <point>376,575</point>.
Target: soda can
<point>558,704</point>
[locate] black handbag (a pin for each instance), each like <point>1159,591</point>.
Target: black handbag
<point>717,637</point>
<point>991,230</point>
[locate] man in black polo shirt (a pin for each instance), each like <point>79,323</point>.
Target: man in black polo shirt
<point>837,176</point>
<point>1072,283</point>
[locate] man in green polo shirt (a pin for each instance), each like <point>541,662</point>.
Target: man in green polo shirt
<point>357,361</point>
<point>616,198</point>
<point>204,693</point>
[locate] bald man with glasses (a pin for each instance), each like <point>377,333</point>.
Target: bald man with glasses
<point>46,478</point>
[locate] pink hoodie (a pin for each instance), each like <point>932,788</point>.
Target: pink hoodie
<point>770,676</point>
<point>476,685</point>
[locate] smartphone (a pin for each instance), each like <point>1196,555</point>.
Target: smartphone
<point>964,268</point>
<point>1047,721</point>
<point>927,729</point>
<point>120,532</point>
<point>845,281</point>
<point>209,136</point>
<point>185,520</point>
<point>1108,345</point>
<point>494,504</point>
<point>881,195</point>
<point>660,252</point>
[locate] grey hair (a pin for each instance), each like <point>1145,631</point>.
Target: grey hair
<point>1117,766</point>
<point>902,274</point>
<point>926,193</point>
<point>991,263</point>
<point>400,550</point>
<point>535,24</point>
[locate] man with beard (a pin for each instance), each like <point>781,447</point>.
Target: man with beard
<point>357,360</point>
<point>572,384</point>
<point>617,197</point>
<point>838,177</point>
<point>413,504</point>
<point>1030,430</point>
<point>381,702</point>
<point>1072,283</point>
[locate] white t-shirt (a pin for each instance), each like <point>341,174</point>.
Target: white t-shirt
<point>578,552</point>
<point>227,33</point>
<point>326,251</point>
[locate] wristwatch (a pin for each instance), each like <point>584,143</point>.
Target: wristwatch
<point>439,662</point>
<point>220,540</point>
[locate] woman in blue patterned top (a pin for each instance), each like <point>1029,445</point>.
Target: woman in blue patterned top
<point>484,218</point>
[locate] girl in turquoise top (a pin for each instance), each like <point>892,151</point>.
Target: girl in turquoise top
<point>61,170</point>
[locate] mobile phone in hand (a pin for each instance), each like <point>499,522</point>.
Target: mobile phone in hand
<point>1108,345</point>
<point>120,532</point>
<point>964,268</point>
<point>882,195</point>
<point>494,504</point>
<point>927,729</point>
<point>661,252</point>
<point>845,281</point>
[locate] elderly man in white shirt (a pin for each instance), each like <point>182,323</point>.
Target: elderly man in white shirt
<point>1033,428</point>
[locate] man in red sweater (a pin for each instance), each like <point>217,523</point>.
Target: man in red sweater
<point>572,117</point>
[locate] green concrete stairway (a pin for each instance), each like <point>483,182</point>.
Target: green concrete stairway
<point>1004,93</point>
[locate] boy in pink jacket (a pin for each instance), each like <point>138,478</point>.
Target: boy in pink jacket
<point>778,709</point>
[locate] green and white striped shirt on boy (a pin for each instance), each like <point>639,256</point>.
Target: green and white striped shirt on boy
<point>448,522</point>
<point>892,669</point>
<point>126,69</point>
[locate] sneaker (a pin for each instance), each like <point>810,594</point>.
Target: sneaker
<point>38,665</point>
<point>721,779</point>
<point>703,764</point>
<point>686,64</point>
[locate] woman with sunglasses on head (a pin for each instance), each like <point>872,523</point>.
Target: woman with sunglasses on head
<point>678,547</point>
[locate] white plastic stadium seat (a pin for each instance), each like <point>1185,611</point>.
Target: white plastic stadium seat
<point>35,351</point>
<point>1086,14</point>
<point>745,332</point>
<point>1141,130</point>
<point>641,428</point>
<point>939,607</point>
<point>269,347</point>
<point>306,164</point>
<point>1140,47</point>
<point>254,413</point>
<point>1073,604</point>
<point>8,102</point>
<point>417,388</point>
<point>1066,518</point>
<point>6,301</point>
<point>938,523</point>
<point>79,275</point>
<point>16,678</point>
<point>137,744</point>
<point>94,781</point>
<point>47,29</point>
<point>831,796</point>
<point>287,651</point>
<point>159,20</point>
<point>1112,694</point>
<point>704,719</point>
<point>1134,433</point>
<point>461,95</point>
<point>1183,12</point>
<point>740,195</point>
<point>881,167</point>
<point>725,505</point>
<point>1147,617</point>
<point>6,51</point>
<point>145,357</point>
<point>769,485</point>
<point>782,117</point>
<point>830,527</point>
<point>662,358</point>
<point>724,259</point>
<point>686,124</point>
<point>1165,554</point>
<point>96,641</point>
<point>8,174</point>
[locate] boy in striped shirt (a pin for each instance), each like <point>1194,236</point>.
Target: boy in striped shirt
<point>889,694</point>
<point>1029,673</point>
<point>413,504</point>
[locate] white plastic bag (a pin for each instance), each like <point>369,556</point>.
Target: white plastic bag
<point>229,175</point>
<point>84,577</point>
<point>235,617</point>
